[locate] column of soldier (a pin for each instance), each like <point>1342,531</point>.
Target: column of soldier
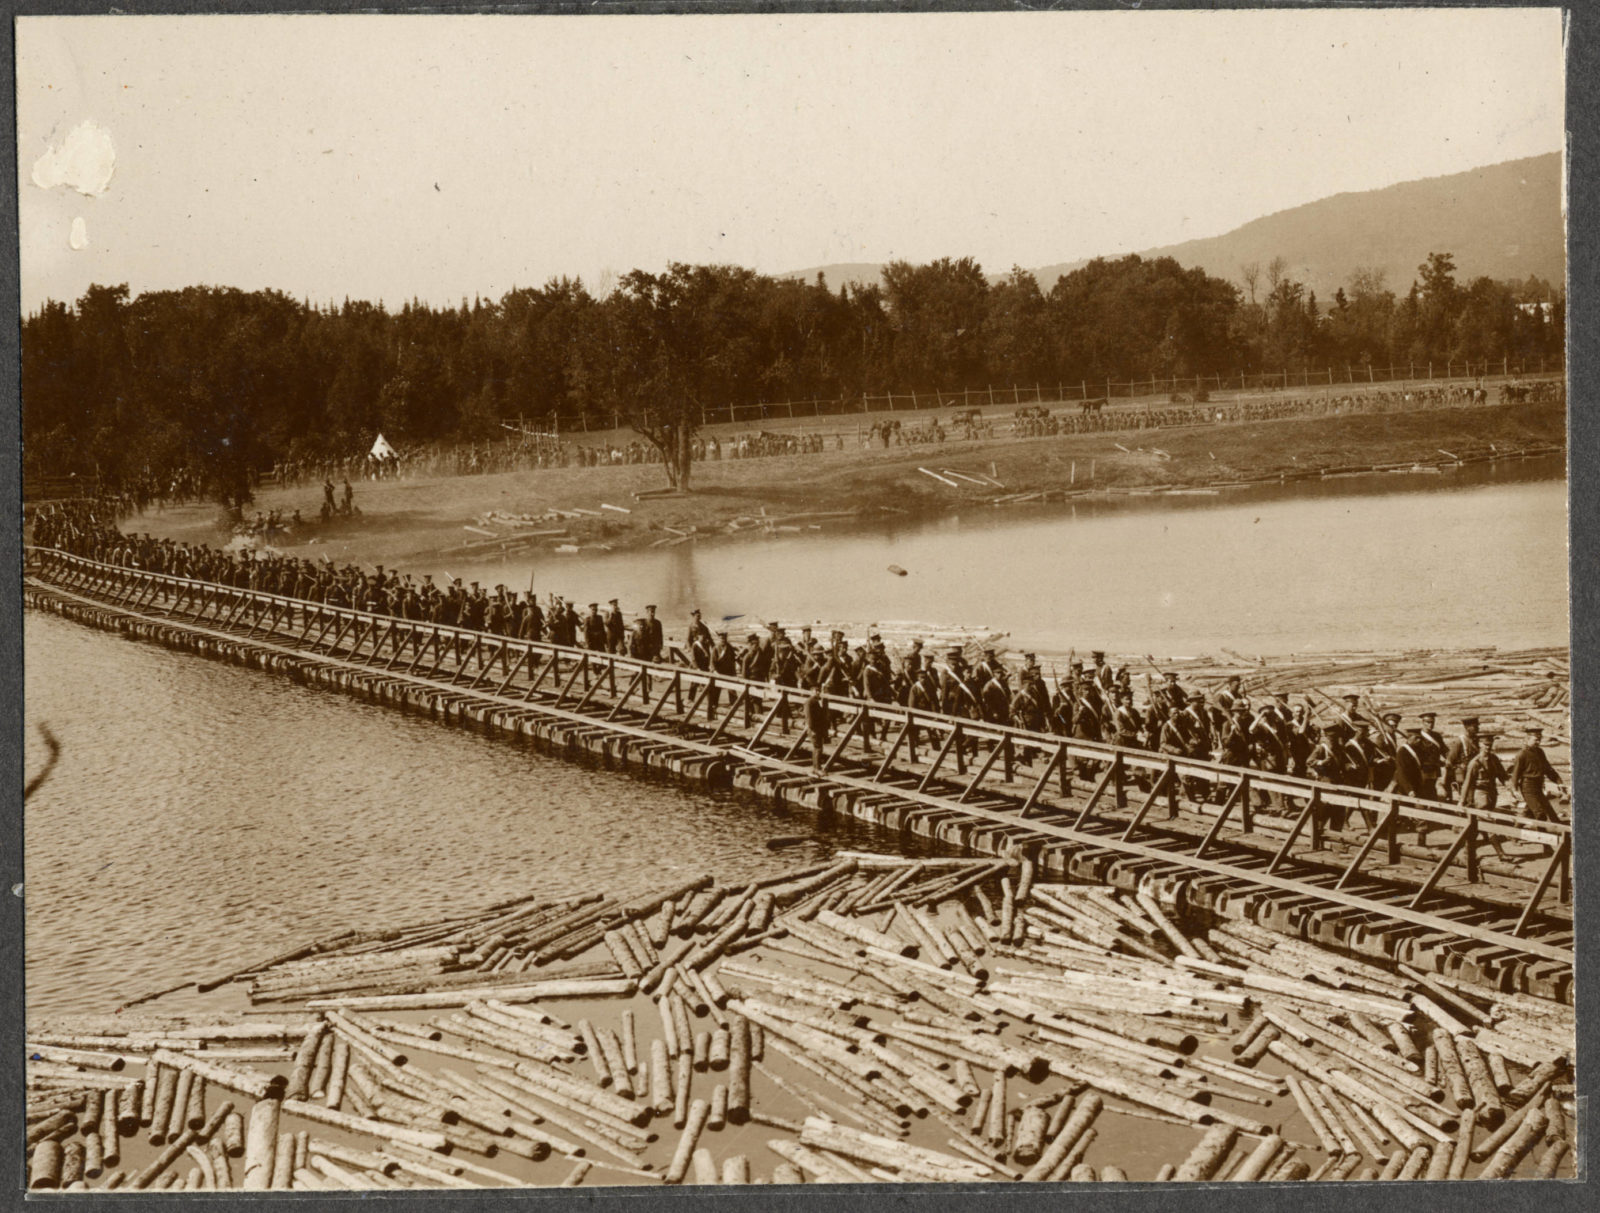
<point>1353,748</point>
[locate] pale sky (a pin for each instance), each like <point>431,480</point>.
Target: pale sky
<point>385,157</point>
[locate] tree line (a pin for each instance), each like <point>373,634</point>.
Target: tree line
<point>229,382</point>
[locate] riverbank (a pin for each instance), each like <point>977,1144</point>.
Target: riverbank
<point>410,522</point>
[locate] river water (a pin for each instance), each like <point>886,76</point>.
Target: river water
<point>1468,557</point>
<point>204,815</point>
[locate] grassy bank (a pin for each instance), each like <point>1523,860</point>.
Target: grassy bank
<point>407,520</point>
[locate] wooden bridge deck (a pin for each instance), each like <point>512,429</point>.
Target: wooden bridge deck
<point>1481,896</point>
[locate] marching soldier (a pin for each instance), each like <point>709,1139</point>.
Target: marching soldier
<point>1352,712</point>
<point>818,722</point>
<point>1027,712</point>
<point>1529,770</point>
<point>755,660</point>
<point>1326,762</point>
<point>1236,730</point>
<point>498,619</point>
<point>990,668</point>
<point>914,661</point>
<point>1382,744</point>
<point>532,620</point>
<point>1430,749</point>
<point>616,629</point>
<point>1481,777</point>
<point>594,630</point>
<point>700,642</point>
<point>1171,697</point>
<point>1103,675</point>
<point>1458,753</point>
<point>652,642</point>
<point>1408,778</point>
<point>1231,694</point>
<point>1127,728</point>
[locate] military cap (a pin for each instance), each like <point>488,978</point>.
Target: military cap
<point>1535,730</point>
<point>1486,738</point>
<point>1414,730</point>
<point>1097,655</point>
<point>1172,675</point>
<point>916,644</point>
<point>1200,695</point>
<point>594,606</point>
<point>611,602</point>
<point>650,607</point>
<point>723,633</point>
<point>1352,698</point>
<point>695,612</point>
<point>1470,720</point>
<point>1029,657</point>
<point>988,652</point>
<point>1077,665</point>
<point>1427,716</point>
<point>1391,718</point>
<point>474,585</point>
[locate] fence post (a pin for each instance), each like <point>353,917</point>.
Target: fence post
<point>1083,387</point>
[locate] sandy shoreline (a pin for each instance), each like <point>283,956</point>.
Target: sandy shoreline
<point>410,521</point>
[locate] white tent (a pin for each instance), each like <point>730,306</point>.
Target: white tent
<point>382,450</point>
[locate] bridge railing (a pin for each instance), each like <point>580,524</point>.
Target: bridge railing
<point>677,693</point>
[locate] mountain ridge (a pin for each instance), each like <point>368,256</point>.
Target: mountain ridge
<point>1501,220</point>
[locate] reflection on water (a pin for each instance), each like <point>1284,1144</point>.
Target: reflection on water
<point>204,815</point>
<point>1474,556</point>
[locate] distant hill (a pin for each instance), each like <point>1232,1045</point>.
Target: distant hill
<point>856,273</point>
<point>1503,220</point>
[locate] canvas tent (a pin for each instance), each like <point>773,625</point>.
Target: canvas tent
<point>382,450</point>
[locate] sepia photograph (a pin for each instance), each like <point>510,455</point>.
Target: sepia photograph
<point>795,599</point>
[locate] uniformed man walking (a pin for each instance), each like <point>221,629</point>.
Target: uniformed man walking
<point>1457,754</point>
<point>699,641</point>
<point>1482,776</point>
<point>1529,770</point>
<point>616,629</point>
<point>594,630</point>
<point>1430,747</point>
